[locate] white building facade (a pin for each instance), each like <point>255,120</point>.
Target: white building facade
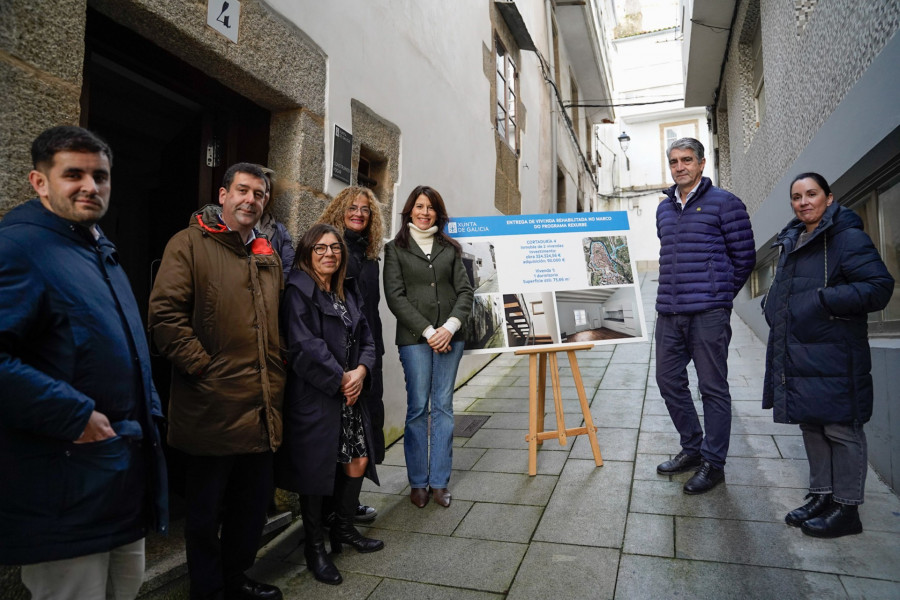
<point>648,96</point>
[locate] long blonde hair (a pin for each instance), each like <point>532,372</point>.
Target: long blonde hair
<point>336,210</point>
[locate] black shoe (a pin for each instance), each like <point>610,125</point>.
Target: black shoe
<point>253,590</point>
<point>706,478</point>
<point>317,560</point>
<point>818,504</point>
<point>838,520</point>
<point>346,493</point>
<point>364,514</point>
<point>320,565</point>
<point>681,463</point>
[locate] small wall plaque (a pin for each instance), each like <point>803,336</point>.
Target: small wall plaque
<point>224,16</point>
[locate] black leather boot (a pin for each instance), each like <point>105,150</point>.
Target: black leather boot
<point>838,520</point>
<point>346,495</point>
<point>818,504</point>
<point>317,559</point>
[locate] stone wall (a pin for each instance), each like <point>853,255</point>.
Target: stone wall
<point>273,64</point>
<point>807,72</point>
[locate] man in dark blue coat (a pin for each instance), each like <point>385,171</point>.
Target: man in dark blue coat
<point>706,255</point>
<point>83,474</point>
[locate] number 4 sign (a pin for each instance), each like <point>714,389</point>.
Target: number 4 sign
<point>224,16</point>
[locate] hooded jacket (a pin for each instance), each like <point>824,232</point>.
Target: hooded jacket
<point>818,358</point>
<point>214,315</point>
<point>706,250</point>
<point>72,342</point>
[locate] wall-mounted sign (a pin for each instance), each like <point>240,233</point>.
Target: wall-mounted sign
<point>343,151</point>
<point>549,279</point>
<point>224,16</point>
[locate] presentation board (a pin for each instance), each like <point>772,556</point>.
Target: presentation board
<point>549,279</point>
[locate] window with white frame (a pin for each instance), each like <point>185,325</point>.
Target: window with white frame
<point>669,132</point>
<point>506,96</point>
<point>580,317</point>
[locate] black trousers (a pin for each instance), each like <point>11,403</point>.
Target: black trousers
<point>374,399</point>
<point>231,492</point>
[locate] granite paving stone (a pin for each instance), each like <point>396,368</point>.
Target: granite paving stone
<point>504,488</point>
<point>652,578</point>
<point>649,534</point>
<point>870,589</point>
<point>561,571</point>
<point>588,506</point>
<point>499,460</point>
<point>726,501</point>
<point>393,480</point>
<point>468,563</point>
<point>464,458</point>
<point>624,376</point>
<point>510,438</point>
<point>631,353</point>
<point>519,420</point>
<point>402,515</point>
<point>790,446</point>
<point>615,444</point>
<point>501,522</point>
<point>777,545</point>
<point>394,589</point>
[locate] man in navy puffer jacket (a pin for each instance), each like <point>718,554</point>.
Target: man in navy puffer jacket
<point>82,471</point>
<point>706,255</point>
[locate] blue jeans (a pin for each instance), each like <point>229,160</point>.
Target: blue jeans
<point>704,338</point>
<point>429,376</point>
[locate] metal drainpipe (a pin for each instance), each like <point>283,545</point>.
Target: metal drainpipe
<point>554,201</point>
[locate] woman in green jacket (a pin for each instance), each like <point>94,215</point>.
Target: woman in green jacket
<point>428,290</point>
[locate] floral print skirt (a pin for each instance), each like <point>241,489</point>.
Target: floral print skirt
<point>353,438</point>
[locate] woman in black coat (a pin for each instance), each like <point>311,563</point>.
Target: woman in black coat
<point>330,354</point>
<point>829,277</point>
<point>356,213</point>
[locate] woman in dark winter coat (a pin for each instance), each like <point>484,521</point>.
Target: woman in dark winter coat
<point>427,289</point>
<point>829,277</point>
<point>330,354</point>
<point>357,214</point>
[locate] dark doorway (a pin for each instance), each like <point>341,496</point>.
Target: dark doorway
<point>163,119</point>
<point>173,131</point>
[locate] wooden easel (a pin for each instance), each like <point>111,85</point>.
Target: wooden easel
<point>537,384</point>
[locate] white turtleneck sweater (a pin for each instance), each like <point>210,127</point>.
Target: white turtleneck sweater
<point>424,238</point>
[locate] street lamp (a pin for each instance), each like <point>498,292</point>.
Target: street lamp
<point>624,141</point>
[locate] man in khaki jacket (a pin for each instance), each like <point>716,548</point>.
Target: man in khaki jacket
<point>214,315</point>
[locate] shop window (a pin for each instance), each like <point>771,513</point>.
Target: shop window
<point>879,209</point>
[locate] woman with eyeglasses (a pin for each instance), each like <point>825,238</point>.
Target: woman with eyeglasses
<point>428,290</point>
<point>357,214</point>
<point>330,353</point>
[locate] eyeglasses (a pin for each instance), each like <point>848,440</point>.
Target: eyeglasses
<point>363,210</point>
<point>321,249</point>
